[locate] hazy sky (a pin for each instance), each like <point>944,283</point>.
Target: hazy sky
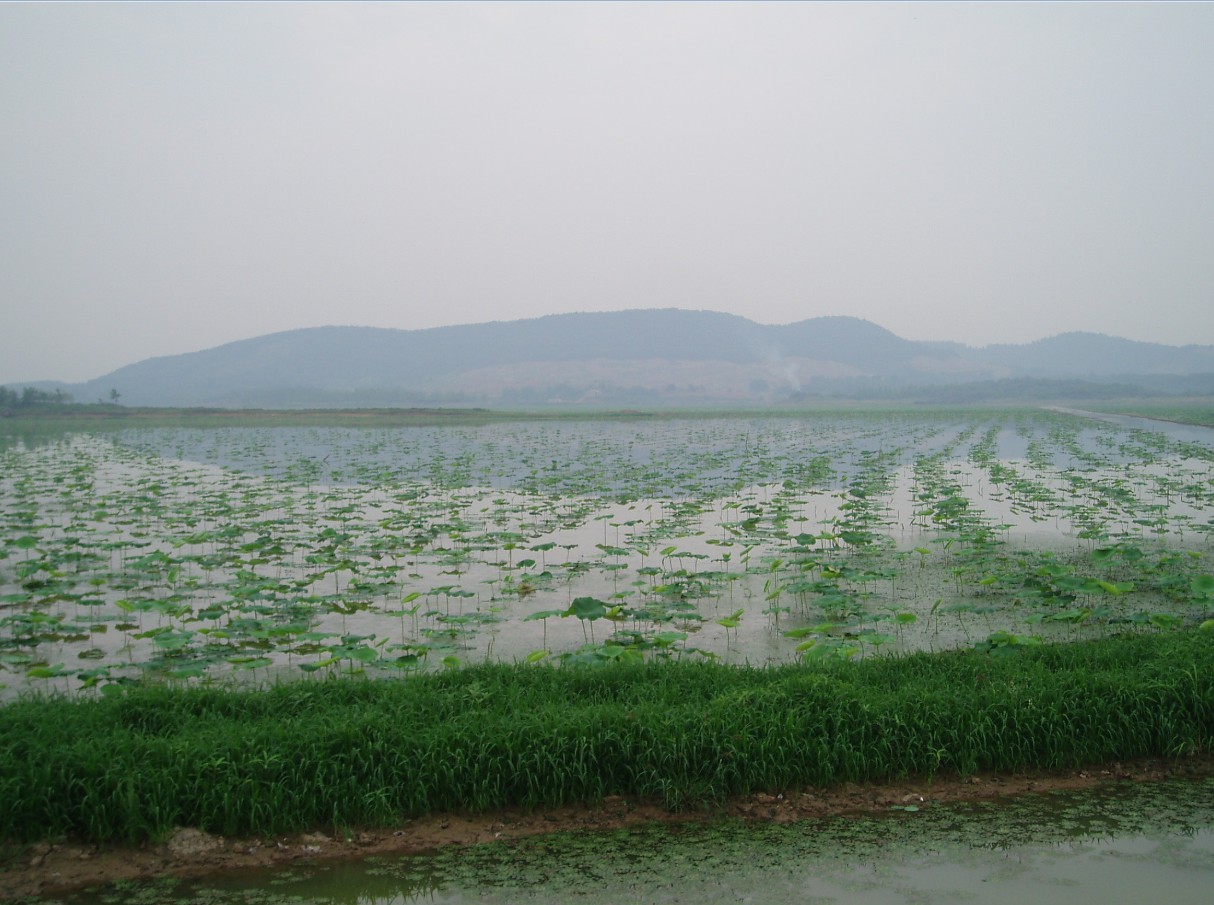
<point>176,176</point>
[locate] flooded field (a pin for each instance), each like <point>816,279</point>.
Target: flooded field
<point>250,554</point>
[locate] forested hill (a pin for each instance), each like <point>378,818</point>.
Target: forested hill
<point>666,356</point>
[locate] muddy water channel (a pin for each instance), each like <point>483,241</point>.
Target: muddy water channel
<point>260,554</point>
<point>1133,843</point>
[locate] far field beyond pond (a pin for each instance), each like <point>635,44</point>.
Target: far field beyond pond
<point>179,555</point>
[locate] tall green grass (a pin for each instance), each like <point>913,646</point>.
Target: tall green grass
<point>359,753</point>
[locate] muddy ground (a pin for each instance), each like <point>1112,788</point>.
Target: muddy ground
<point>47,868</point>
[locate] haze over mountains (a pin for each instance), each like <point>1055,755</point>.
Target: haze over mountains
<point>663,356</point>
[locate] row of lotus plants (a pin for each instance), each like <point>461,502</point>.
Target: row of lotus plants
<point>194,556</point>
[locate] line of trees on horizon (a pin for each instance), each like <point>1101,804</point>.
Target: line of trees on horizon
<point>31,399</point>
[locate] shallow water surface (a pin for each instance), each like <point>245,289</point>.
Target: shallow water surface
<point>1127,844</point>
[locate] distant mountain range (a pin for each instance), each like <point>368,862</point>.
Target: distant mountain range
<point>649,357</point>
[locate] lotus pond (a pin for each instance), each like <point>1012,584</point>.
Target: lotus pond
<point>251,554</point>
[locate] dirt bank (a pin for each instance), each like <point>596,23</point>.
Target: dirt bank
<point>47,868</point>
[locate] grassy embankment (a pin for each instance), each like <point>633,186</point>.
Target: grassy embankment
<point>1199,414</point>
<point>350,753</point>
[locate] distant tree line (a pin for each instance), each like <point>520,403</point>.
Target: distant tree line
<point>31,397</point>
<point>34,399</point>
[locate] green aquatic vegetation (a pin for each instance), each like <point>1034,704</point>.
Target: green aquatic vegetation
<point>732,621</point>
<point>717,507</point>
<point>588,610</point>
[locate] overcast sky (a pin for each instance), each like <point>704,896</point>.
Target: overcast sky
<point>177,176</point>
